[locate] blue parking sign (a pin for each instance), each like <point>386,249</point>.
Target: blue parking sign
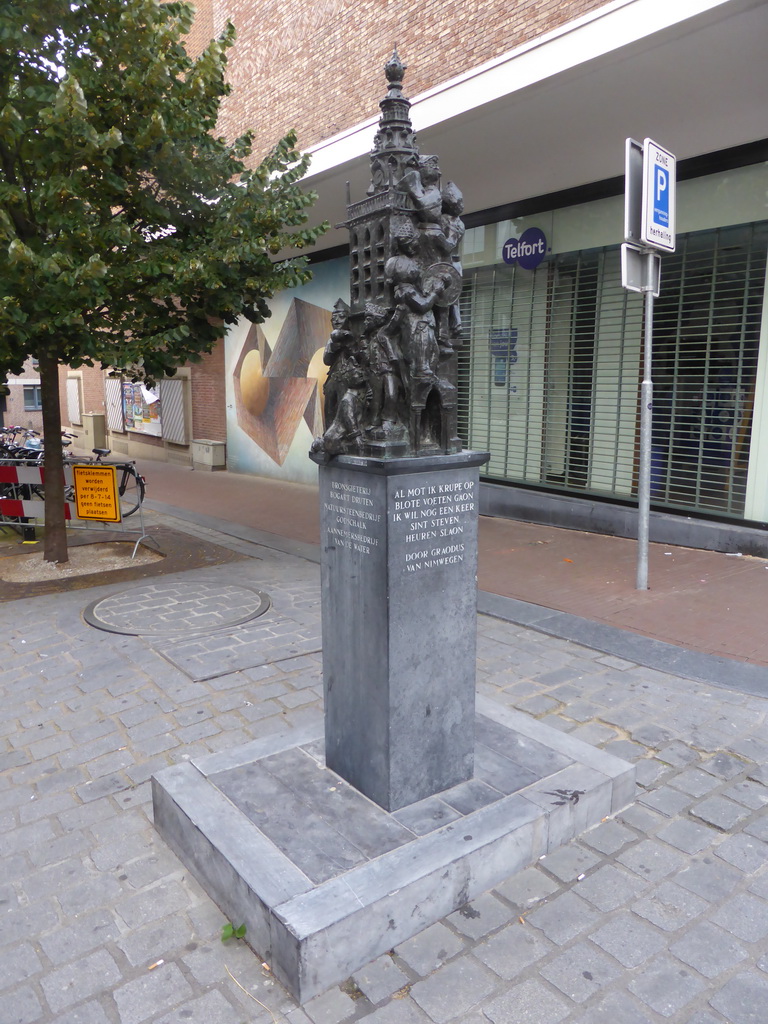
<point>658,209</point>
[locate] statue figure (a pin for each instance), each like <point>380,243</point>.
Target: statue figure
<point>414,311</point>
<point>349,384</point>
<point>381,330</point>
<point>422,183</point>
<point>452,230</point>
<point>340,340</point>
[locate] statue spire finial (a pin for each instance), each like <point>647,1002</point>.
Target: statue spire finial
<point>395,70</point>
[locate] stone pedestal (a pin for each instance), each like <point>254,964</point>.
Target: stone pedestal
<point>325,881</point>
<point>399,592</point>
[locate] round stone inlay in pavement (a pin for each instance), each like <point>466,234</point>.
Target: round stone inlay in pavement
<point>173,609</point>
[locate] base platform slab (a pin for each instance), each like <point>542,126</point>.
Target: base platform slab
<point>325,880</point>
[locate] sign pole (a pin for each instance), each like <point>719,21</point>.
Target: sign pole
<point>649,225</point>
<point>646,432</point>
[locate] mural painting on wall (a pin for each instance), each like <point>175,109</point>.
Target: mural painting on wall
<point>275,389</point>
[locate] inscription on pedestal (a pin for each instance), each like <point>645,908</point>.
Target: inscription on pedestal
<point>352,516</point>
<point>431,520</point>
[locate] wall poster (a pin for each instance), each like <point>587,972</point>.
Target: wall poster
<point>141,409</point>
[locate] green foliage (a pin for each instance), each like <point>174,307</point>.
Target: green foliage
<point>129,231</point>
<point>228,931</point>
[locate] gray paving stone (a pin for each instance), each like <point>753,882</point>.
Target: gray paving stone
<point>695,782</point>
<point>759,773</point>
<point>453,989</point>
<point>688,836</point>
<point>211,1008</point>
<point>17,964</point>
<point>540,704</point>
<point>25,1007</point>
<point>151,868</point>
<point>648,768</point>
<point>155,941</point>
<point>569,862</point>
<point>720,812</point>
<point>151,904</point>
<point>427,950</point>
<point>41,807</point>
<point>80,980</point>
<point>608,838</point>
<point>760,886</point>
<point>151,994</point>
<point>746,852</point>
<point>581,971</point>
<point>676,753</point>
<point>651,860</point>
<point>380,979</point>
<point>670,907</point>
<point>33,919</point>
<point>642,818</point>
<point>743,999</point>
<point>665,986</point>
<point>526,889</point>
<point>708,949</point>
<point>745,916</point>
<point>649,734</point>
<point>563,917</point>
<point>724,766</point>
<point>401,1011</point>
<point>481,916</point>
<point>610,887</point>
<point>709,877</point>
<point>528,1003</point>
<point>667,800</point>
<point>88,1013</point>
<point>751,794</point>
<point>614,1008</point>
<point>629,939</point>
<point>85,933</point>
<point>96,891</point>
<point>705,1017</point>
<point>330,1007</point>
<point>23,838</point>
<point>513,949</point>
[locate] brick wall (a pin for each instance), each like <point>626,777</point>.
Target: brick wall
<point>316,65</point>
<point>92,388</point>
<point>209,420</point>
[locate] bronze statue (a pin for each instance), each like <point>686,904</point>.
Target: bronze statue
<point>391,391</point>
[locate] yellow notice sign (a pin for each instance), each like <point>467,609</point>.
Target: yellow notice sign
<point>96,493</point>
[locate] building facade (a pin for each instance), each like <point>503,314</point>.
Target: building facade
<point>528,106</point>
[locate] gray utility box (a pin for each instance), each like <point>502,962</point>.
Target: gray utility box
<point>209,454</point>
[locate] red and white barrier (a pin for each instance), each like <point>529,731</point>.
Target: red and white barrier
<point>29,508</point>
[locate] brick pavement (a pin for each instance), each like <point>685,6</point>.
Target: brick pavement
<point>660,914</point>
<point>705,601</point>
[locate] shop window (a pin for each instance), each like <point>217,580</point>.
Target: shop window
<point>549,375</point>
<point>32,398</point>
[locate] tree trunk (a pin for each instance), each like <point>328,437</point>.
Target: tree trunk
<point>55,549</point>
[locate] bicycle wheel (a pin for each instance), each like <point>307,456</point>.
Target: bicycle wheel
<point>131,491</point>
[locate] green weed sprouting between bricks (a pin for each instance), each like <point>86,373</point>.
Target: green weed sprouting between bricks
<point>228,931</point>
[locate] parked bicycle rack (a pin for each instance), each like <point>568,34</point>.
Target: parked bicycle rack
<point>22,506</point>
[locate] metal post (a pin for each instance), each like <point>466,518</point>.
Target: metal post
<point>646,425</point>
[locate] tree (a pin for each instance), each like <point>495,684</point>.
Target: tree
<point>129,231</point>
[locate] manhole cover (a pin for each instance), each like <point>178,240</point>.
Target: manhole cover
<point>170,609</point>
